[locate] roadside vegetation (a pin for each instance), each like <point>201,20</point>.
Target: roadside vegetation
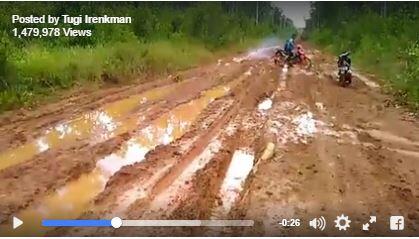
<point>382,36</point>
<point>163,37</point>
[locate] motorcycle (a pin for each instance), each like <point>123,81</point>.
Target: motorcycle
<point>296,59</point>
<point>344,74</point>
<point>280,56</point>
<point>300,59</point>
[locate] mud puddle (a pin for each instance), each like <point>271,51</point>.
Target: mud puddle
<point>97,126</point>
<point>75,198</point>
<point>240,167</point>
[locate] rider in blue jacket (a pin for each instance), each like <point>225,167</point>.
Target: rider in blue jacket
<point>289,45</point>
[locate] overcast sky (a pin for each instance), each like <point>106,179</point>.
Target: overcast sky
<point>296,11</point>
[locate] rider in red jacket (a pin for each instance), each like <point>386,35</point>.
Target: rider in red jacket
<point>300,52</point>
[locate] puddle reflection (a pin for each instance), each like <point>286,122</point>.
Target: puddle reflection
<point>73,199</point>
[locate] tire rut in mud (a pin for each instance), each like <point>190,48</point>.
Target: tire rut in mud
<point>205,200</point>
<point>198,197</point>
<point>69,163</point>
<point>139,174</point>
<point>171,154</point>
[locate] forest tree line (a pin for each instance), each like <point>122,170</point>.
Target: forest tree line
<point>163,36</point>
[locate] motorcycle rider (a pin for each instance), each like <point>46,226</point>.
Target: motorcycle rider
<point>300,52</point>
<point>289,45</point>
<point>344,60</point>
<point>344,69</point>
<point>288,50</point>
<point>298,56</point>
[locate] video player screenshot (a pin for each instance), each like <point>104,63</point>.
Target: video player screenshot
<point>209,119</point>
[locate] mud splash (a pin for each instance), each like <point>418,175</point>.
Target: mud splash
<point>75,198</point>
<point>261,53</point>
<point>97,126</point>
<point>265,51</point>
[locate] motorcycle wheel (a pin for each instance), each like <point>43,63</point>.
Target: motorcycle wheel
<point>292,60</point>
<point>348,79</point>
<point>344,81</point>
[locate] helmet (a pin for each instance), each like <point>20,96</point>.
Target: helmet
<point>345,53</point>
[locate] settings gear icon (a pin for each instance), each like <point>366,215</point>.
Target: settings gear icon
<point>342,222</point>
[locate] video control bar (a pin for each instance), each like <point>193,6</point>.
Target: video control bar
<point>116,222</point>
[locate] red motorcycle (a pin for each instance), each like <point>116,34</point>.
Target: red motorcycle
<point>300,58</point>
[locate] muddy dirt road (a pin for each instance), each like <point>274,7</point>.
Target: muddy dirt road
<point>191,145</point>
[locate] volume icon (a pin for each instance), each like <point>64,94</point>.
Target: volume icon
<point>318,223</point>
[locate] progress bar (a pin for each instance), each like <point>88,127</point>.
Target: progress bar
<point>187,223</point>
<point>116,222</point>
<point>76,223</point>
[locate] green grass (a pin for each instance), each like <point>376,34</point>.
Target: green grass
<point>41,73</point>
<point>163,56</point>
<point>377,49</point>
